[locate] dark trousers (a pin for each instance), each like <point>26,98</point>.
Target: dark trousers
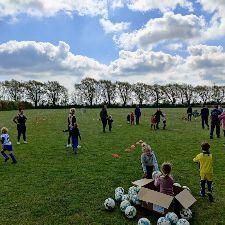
<point>209,185</point>
<point>104,123</point>
<point>137,120</point>
<point>189,116</point>
<point>153,126</point>
<point>149,172</point>
<point>21,130</point>
<point>110,126</point>
<point>70,135</point>
<point>213,125</point>
<point>164,125</point>
<point>157,124</point>
<point>205,122</point>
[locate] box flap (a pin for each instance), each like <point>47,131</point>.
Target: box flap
<point>142,182</point>
<point>155,197</point>
<point>185,198</point>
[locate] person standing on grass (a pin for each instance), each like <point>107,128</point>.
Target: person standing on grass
<point>205,161</point>
<point>20,120</point>
<point>7,146</point>
<point>104,117</point>
<point>137,113</point>
<point>189,112</point>
<point>71,120</point>
<point>157,117</point>
<point>75,133</point>
<point>222,120</point>
<point>205,116</point>
<point>110,121</point>
<point>215,122</point>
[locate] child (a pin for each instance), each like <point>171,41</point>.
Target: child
<point>110,121</point>
<point>132,118</point>
<point>153,122</point>
<point>7,146</point>
<point>206,169</point>
<point>148,162</point>
<point>195,114</point>
<point>165,182</point>
<point>164,121</point>
<point>128,118</point>
<point>222,119</point>
<point>75,133</point>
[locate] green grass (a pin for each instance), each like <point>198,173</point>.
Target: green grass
<point>51,185</point>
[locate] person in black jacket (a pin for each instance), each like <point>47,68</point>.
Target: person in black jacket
<point>71,120</point>
<point>189,112</point>
<point>205,116</point>
<point>20,120</point>
<point>104,117</point>
<point>137,113</point>
<point>110,121</point>
<point>215,122</point>
<point>157,117</point>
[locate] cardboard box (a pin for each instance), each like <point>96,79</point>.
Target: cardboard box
<point>153,200</point>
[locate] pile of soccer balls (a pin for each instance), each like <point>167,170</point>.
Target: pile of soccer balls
<point>130,200</point>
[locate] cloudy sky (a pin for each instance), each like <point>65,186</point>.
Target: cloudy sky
<point>152,41</point>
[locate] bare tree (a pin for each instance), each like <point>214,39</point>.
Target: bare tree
<point>14,89</point>
<point>124,91</point>
<point>140,92</point>
<point>108,91</point>
<point>171,92</point>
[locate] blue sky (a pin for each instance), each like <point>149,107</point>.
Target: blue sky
<point>74,39</point>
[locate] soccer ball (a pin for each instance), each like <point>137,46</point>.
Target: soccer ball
<point>109,204</point>
<point>130,212</point>
<point>135,200</point>
<point>182,222</point>
<point>172,217</point>
<point>177,184</point>
<point>132,191</point>
<point>124,204</point>
<point>144,221</point>
<point>156,174</point>
<point>125,197</point>
<point>118,196</point>
<point>163,221</point>
<point>185,187</point>
<point>119,189</point>
<point>186,214</point>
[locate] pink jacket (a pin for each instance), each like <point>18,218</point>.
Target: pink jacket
<point>222,119</point>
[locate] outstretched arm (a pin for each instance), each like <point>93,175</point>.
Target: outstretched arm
<point>15,120</point>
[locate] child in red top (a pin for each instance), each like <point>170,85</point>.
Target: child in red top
<point>165,181</point>
<point>153,121</point>
<point>132,118</point>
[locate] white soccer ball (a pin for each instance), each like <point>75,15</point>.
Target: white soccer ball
<point>118,196</point>
<point>135,200</point>
<point>182,222</point>
<point>124,204</point>
<point>132,191</point>
<point>109,204</point>
<point>138,188</point>
<point>130,212</point>
<point>177,184</point>
<point>185,187</point>
<point>156,174</point>
<point>172,217</point>
<point>186,214</point>
<point>125,197</point>
<point>144,221</point>
<point>119,189</point>
<point>163,221</point>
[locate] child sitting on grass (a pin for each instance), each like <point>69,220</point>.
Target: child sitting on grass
<point>7,146</point>
<point>153,122</point>
<point>165,181</point>
<point>205,161</point>
<point>148,162</point>
<point>75,133</point>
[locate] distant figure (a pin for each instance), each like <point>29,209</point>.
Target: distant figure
<point>195,114</point>
<point>132,118</point>
<point>189,112</point>
<point>205,116</point>
<point>128,118</point>
<point>137,114</point>
<point>215,122</point>
<point>153,122</point>
<point>71,120</point>
<point>20,120</point>
<point>157,117</point>
<point>220,108</point>
<point>75,133</point>
<point>164,121</point>
<point>104,117</point>
<point>110,121</point>
<point>222,120</point>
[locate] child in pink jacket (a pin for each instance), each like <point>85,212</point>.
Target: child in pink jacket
<point>222,120</point>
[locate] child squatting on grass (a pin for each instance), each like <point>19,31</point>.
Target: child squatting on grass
<point>205,161</point>
<point>7,146</point>
<point>148,161</point>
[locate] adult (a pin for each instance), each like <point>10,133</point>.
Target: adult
<point>189,112</point>
<point>137,113</point>
<point>215,122</point>
<point>104,117</point>
<point>205,116</point>
<point>220,108</point>
<point>71,120</point>
<point>157,117</point>
<point>20,119</point>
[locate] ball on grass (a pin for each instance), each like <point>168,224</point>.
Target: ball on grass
<point>172,217</point>
<point>144,221</point>
<point>186,214</point>
<point>124,204</point>
<point>182,222</point>
<point>163,221</point>
<point>109,204</point>
<point>130,212</point>
<point>119,189</point>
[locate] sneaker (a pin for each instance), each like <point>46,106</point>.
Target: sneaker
<point>68,145</point>
<point>78,146</point>
<point>6,159</point>
<point>25,142</point>
<point>201,194</point>
<point>18,142</point>
<point>14,162</point>
<point>211,199</point>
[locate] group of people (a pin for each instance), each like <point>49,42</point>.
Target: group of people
<point>134,115</point>
<point>165,181</point>
<point>105,119</point>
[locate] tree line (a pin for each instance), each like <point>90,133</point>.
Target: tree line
<point>90,92</point>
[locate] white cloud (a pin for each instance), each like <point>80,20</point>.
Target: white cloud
<point>47,8</point>
<point>163,6</point>
<point>115,4</point>
<point>170,27</point>
<point>175,46</point>
<point>110,27</point>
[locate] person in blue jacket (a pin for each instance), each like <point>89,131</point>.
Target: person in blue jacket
<point>137,114</point>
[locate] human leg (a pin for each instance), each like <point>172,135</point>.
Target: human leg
<point>202,192</point>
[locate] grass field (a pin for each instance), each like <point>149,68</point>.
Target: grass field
<point>51,185</point>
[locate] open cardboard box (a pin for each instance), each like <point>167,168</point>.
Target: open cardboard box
<point>153,200</point>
